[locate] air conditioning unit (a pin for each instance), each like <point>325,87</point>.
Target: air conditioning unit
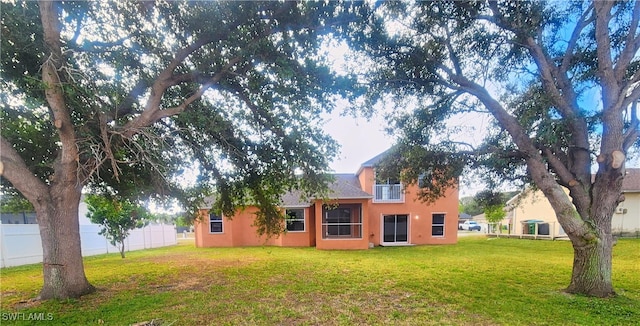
<point>621,210</point>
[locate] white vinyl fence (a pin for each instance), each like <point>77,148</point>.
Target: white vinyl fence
<point>20,244</point>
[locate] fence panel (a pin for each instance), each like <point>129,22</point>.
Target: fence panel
<point>20,244</point>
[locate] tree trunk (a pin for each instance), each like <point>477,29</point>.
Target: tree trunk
<point>591,273</point>
<point>122,248</point>
<point>63,268</point>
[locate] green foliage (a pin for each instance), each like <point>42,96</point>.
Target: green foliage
<point>489,198</point>
<point>15,204</point>
<point>117,217</point>
<point>495,213</point>
<point>182,221</point>
<point>470,206</point>
<point>246,80</point>
<point>438,58</point>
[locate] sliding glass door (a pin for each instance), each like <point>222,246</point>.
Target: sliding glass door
<point>395,228</point>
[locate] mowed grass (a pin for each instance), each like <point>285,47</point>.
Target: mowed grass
<point>479,281</point>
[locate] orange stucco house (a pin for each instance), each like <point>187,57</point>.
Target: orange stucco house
<point>361,212</point>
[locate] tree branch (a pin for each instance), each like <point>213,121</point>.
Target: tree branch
<point>215,79</point>
<point>452,54</point>
<point>603,50</point>
<point>125,107</point>
<point>583,22</point>
<point>561,170</point>
<point>632,44</point>
<point>632,134</point>
<point>54,92</point>
<point>15,170</point>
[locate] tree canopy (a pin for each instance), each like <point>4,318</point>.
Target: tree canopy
<point>127,97</point>
<point>561,81</point>
<point>232,90</point>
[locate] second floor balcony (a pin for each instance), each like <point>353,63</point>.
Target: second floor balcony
<point>388,193</point>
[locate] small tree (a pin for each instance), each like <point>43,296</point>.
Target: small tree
<point>117,218</point>
<point>494,215</point>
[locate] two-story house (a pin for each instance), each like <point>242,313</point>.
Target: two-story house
<point>361,211</point>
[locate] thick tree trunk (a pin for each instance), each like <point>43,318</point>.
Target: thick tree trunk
<point>592,268</point>
<point>63,268</point>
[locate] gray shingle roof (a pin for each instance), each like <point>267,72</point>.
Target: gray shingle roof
<point>631,182</point>
<point>375,160</point>
<point>345,186</point>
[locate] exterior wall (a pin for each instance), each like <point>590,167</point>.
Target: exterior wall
<point>204,238</point>
<point>420,214</point>
<point>533,205</point>
<point>240,232</point>
<point>627,222</point>
<point>361,243</point>
<point>301,239</point>
<point>367,179</point>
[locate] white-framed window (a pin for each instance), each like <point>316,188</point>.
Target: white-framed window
<point>215,223</point>
<point>295,220</point>
<point>437,224</point>
<point>343,221</point>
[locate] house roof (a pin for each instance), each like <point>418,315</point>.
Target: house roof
<point>631,182</point>
<point>374,160</point>
<point>344,186</point>
<point>347,186</point>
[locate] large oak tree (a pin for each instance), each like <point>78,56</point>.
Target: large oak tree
<point>561,81</point>
<point>121,96</point>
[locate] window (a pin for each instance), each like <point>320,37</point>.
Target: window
<point>215,223</point>
<point>343,221</point>
<point>295,220</point>
<point>425,179</point>
<point>437,225</point>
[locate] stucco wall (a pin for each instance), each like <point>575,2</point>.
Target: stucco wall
<point>534,205</point>
<point>240,232</point>
<point>420,214</point>
<point>627,218</point>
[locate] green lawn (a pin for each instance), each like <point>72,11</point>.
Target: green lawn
<point>476,282</point>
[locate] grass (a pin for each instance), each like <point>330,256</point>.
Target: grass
<point>476,282</point>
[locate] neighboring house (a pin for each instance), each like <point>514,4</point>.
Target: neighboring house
<point>464,217</point>
<point>532,207</point>
<point>360,212</point>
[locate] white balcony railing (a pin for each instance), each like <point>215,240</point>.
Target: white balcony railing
<point>388,193</point>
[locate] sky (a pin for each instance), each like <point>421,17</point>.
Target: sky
<point>361,139</point>
<point>358,138</point>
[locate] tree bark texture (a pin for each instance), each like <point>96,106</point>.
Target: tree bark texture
<point>591,274</point>
<point>63,269</point>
